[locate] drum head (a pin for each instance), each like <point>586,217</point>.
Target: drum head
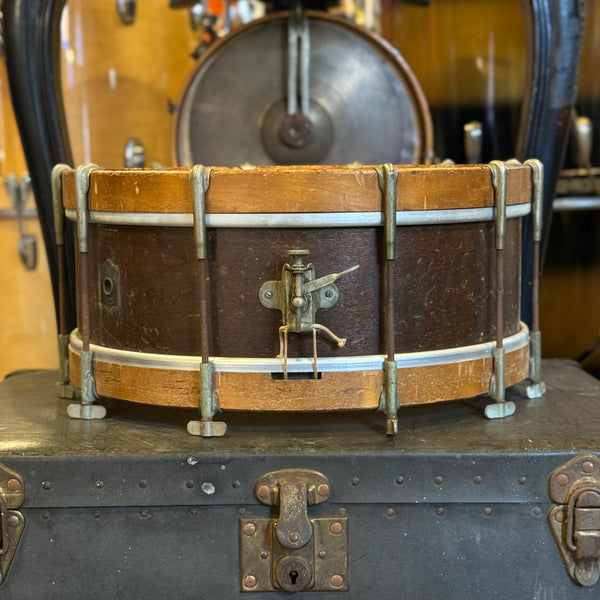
<point>366,105</point>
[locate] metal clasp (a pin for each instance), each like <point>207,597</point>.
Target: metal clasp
<point>12,522</point>
<point>293,552</point>
<point>575,520</point>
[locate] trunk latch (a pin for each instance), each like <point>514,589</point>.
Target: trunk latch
<point>293,552</point>
<point>12,522</point>
<point>575,520</point>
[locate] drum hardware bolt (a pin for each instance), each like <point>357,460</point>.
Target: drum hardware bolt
<point>587,467</point>
<point>522,480</point>
<point>390,512</point>
<point>46,485</point>
<point>13,485</point>
<point>336,527</point>
<point>477,479</point>
<point>438,480</point>
<point>294,537</point>
<point>236,484</point>
<point>355,480</point>
<point>487,511</point>
<point>440,512</point>
<point>322,554</point>
<point>263,491</point>
<point>268,295</point>
<point>249,529</point>
<point>559,516</point>
<point>143,484</point>
<point>337,580</point>
<point>12,520</point>
<point>562,479</point>
<point>189,485</point>
<point>250,581</point>
<point>400,480</point>
<point>537,511</point>
<point>99,484</point>
<point>323,490</point>
<point>264,554</point>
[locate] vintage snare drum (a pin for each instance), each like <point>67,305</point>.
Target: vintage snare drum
<point>298,288</point>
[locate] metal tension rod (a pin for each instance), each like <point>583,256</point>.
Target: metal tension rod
<point>86,408</point>
<point>537,387</point>
<point>389,403</point>
<point>209,405</point>
<point>500,408</point>
<point>64,387</point>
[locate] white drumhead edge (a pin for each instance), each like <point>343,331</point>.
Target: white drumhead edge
<point>300,365</point>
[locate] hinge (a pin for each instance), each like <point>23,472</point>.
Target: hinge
<point>12,522</point>
<point>293,552</point>
<point>575,519</point>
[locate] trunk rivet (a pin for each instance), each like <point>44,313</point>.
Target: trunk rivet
<point>13,485</point>
<point>323,490</point>
<point>336,527</point>
<point>337,580</point>
<point>587,466</point>
<point>487,511</point>
<point>13,520</point>
<point>562,479</point>
<point>294,537</point>
<point>249,528</point>
<point>263,491</point>
<point>560,516</point>
<point>250,581</point>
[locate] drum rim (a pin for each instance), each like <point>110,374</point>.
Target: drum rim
<point>374,362</point>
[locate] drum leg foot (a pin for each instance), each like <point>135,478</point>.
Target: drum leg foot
<point>391,426</point>
<point>88,412</point>
<point>207,428</point>
<point>499,410</point>
<point>536,390</point>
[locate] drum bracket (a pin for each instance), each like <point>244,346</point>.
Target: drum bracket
<point>209,406</point>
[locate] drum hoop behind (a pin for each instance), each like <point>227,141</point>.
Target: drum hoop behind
<point>300,365</point>
<point>281,220</point>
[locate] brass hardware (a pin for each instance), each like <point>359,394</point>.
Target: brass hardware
<point>12,522</point>
<point>298,295</point>
<point>575,519</point>
<point>293,552</point>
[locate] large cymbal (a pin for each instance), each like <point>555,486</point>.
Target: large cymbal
<point>365,103</point>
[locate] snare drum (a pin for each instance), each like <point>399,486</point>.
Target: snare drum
<point>290,288</point>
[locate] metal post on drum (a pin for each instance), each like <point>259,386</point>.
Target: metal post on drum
<point>209,405</point>
<point>86,408</point>
<point>388,182</point>
<point>64,387</point>
<point>500,408</point>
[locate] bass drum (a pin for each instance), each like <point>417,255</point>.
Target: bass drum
<point>362,102</point>
<point>120,81</point>
<point>26,303</point>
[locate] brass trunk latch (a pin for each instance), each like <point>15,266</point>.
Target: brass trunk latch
<point>12,522</point>
<point>575,520</point>
<point>293,552</point>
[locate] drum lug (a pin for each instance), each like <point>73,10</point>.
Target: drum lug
<point>86,409</point>
<point>12,522</point>
<point>209,406</point>
<point>292,551</point>
<point>575,518</point>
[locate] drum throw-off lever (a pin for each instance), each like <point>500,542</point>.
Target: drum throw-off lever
<point>298,295</point>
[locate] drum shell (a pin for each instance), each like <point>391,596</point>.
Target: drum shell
<point>444,288</point>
